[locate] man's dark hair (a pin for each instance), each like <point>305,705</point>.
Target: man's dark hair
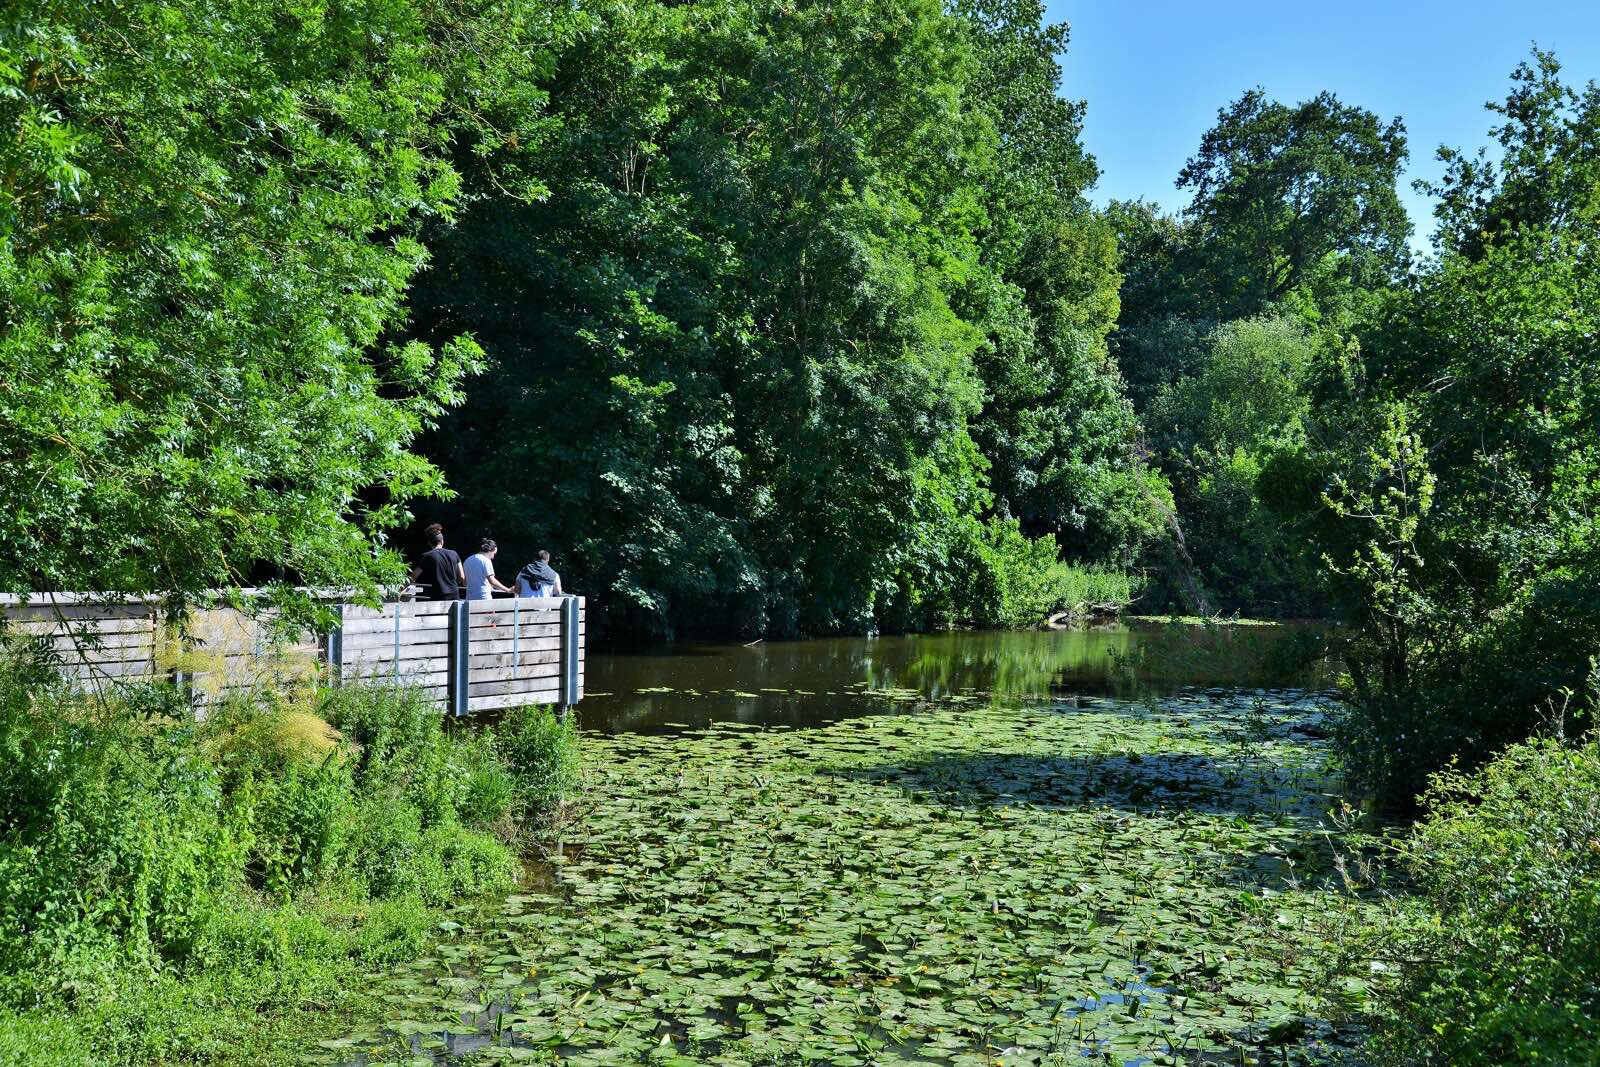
<point>544,555</point>
<point>434,533</point>
<point>488,545</point>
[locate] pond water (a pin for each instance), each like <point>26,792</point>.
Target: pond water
<point>1102,846</point>
<point>803,683</point>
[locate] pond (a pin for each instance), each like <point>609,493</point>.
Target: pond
<point>806,683</point>
<point>985,849</point>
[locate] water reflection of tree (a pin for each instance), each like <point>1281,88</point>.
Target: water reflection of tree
<point>801,682</point>
<point>1030,663</point>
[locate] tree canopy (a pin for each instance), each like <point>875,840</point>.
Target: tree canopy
<point>1290,195</point>
<point>814,296</point>
<point>208,216</point>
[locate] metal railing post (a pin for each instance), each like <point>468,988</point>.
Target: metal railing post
<point>333,649</point>
<point>459,681</point>
<point>569,651</point>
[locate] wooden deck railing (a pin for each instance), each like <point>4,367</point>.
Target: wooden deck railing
<point>468,655</point>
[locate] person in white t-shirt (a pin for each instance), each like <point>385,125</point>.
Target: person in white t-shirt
<point>479,568</point>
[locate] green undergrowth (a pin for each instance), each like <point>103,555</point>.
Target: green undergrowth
<point>1020,581</point>
<point>1498,953</point>
<point>182,892</point>
<point>963,884</point>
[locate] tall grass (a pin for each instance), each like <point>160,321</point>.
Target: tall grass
<point>1021,581</point>
<point>1084,588</point>
<point>154,866</point>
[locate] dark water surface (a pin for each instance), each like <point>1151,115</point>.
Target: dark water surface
<point>807,683</point>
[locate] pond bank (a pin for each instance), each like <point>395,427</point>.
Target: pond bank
<point>967,881</point>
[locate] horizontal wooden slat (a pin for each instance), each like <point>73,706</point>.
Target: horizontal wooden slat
<point>79,627</point>
<point>115,646</point>
<point>434,689</point>
<point>408,624</point>
<point>39,610</point>
<point>431,650</point>
<point>511,700</point>
<point>415,639</point>
<point>498,674</point>
<point>504,624</point>
<point>509,618</point>
<point>126,669</point>
<point>482,646</point>
<point>511,688</point>
<point>84,650</point>
<point>546,674</point>
<point>406,610</point>
<point>547,659</point>
<point>380,658</point>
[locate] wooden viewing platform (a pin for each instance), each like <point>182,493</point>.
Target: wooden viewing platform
<point>469,655</point>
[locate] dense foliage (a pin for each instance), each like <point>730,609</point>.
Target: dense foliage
<point>814,296</point>
<point>1293,228</point>
<point>208,212</point>
<point>1408,447</point>
<point>1502,951</point>
<point>1453,481</point>
<point>784,304</point>
<point>152,864</point>
<point>790,319</point>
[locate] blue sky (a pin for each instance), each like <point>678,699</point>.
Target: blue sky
<point>1154,72</point>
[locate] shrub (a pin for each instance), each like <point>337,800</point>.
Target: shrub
<point>1018,581</point>
<point>488,789</point>
<point>111,828</point>
<point>166,882</point>
<point>133,839</point>
<point>298,823</point>
<point>396,856</point>
<point>1502,955</point>
<point>541,752</point>
<point>404,749</point>
<point>389,725</point>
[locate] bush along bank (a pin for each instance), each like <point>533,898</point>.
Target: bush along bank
<point>1494,958</point>
<point>182,892</point>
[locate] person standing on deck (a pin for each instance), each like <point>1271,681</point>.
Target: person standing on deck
<point>440,572</point>
<point>538,579</point>
<point>481,582</point>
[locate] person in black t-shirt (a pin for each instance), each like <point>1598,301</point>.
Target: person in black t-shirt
<point>440,572</point>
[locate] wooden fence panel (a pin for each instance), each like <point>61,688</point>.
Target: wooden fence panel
<point>92,643</point>
<point>469,655</point>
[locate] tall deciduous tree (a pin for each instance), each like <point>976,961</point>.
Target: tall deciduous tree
<point>741,348</point>
<point>1491,362</point>
<point>207,227</point>
<point>1297,196</point>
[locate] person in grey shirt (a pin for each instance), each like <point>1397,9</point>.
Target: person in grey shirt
<point>479,568</point>
<point>538,579</point>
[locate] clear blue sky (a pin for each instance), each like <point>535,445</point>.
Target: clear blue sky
<point>1154,72</point>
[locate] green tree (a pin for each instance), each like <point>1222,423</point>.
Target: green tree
<point>1548,175</point>
<point>1294,219</point>
<point>208,212</point>
<point>1293,197</point>
<point>1167,308</point>
<point>1055,425</point>
<point>1492,354</point>
<point>740,348</point>
<point>1215,430</point>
